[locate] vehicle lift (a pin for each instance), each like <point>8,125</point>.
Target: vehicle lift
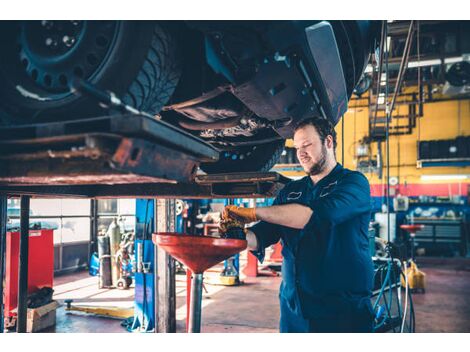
<point>119,156</point>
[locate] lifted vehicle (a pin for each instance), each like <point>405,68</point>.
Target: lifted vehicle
<point>242,86</point>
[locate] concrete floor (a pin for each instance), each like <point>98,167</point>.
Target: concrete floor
<point>445,307</point>
<point>253,306</point>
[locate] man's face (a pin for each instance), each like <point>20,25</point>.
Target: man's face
<point>311,152</point>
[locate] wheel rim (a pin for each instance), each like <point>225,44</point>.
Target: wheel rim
<point>53,53</point>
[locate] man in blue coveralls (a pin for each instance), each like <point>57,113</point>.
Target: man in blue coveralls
<point>322,221</point>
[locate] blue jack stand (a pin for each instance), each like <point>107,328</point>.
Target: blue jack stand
<point>155,293</point>
<point>144,301</point>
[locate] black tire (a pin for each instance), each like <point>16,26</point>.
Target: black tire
<point>121,284</point>
<point>137,60</point>
<point>244,159</point>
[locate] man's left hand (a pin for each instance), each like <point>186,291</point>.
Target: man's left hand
<point>244,215</point>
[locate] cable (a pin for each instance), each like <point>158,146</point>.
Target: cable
<point>398,291</point>
<point>385,284</point>
<point>420,85</point>
<point>382,289</point>
<point>412,325</point>
<point>380,270</point>
<point>406,298</point>
<point>387,135</point>
<point>398,161</point>
<point>388,322</point>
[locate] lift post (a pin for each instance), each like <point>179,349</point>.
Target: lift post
<point>23,266</point>
<point>3,239</point>
<point>165,279</point>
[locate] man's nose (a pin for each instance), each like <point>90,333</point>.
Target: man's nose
<point>301,152</point>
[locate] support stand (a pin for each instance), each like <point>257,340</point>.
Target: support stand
<point>23,266</point>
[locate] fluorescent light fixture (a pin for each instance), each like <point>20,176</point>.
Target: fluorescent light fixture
<point>443,177</point>
<point>424,63</point>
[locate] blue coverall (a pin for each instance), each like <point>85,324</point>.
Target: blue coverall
<point>327,271</point>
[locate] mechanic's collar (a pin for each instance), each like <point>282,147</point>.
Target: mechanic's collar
<point>328,177</point>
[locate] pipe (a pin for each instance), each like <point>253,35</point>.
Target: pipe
<point>23,266</point>
<point>217,125</point>
<point>3,239</point>
<point>383,39</point>
<point>403,65</point>
<point>196,304</point>
<point>245,143</point>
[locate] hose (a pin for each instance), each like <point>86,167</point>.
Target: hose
<point>382,289</point>
<point>386,309</point>
<point>406,297</point>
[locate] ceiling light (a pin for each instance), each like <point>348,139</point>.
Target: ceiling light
<point>443,177</point>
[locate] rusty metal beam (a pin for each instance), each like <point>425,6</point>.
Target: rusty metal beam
<point>107,150</point>
<point>246,185</point>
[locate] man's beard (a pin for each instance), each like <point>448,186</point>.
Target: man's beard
<point>320,165</point>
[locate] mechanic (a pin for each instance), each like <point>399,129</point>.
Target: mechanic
<point>322,221</point>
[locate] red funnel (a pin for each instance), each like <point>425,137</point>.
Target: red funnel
<point>198,253</point>
<point>412,228</point>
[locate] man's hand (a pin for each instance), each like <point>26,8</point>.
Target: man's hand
<point>245,215</point>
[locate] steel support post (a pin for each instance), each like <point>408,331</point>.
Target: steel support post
<point>23,266</point>
<point>93,247</point>
<point>3,239</point>
<point>196,304</point>
<point>164,269</point>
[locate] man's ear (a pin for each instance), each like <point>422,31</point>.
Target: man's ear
<point>329,141</point>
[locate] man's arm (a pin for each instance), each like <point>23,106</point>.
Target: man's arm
<point>350,198</point>
<point>290,215</point>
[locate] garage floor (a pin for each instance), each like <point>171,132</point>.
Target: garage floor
<point>253,306</point>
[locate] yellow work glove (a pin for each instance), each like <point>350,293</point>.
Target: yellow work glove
<point>244,215</point>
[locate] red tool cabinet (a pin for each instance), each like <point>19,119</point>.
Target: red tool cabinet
<point>40,265</point>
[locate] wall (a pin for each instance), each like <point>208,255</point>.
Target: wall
<point>444,120</point>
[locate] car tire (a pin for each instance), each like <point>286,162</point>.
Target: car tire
<point>137,60</point>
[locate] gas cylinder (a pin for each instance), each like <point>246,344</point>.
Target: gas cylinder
<point>105,279</point>
<point>114,234</point>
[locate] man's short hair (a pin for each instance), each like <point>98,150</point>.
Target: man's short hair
<point>323,126</point>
